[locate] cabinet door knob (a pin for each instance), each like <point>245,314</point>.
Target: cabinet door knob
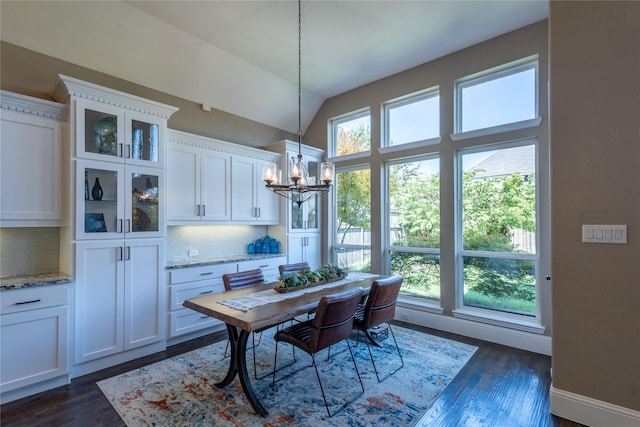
<point>204,210</point>
<point>128,226</point>
<point>119,253</point>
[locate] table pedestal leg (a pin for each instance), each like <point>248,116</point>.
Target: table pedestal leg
<point>238,365</point>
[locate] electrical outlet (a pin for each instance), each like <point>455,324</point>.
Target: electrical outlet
<point>193,252</point>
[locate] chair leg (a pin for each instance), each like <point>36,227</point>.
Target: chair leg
<point>374,362</point>
<point>322,388</point>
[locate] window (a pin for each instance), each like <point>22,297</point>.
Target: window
<point>351,134</point>
<point>496,98</point>
<point>498,228</point>
<point>412,119</point>
<point>414,225</point>
<point>352,247</point>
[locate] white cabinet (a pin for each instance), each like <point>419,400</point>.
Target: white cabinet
<point>113,126</point>
<point>33,340</point>
<point>250,199</point>
<point>190,282</point>
<point>299,226</point>
<point>30,155</point>
<point>128,204</point>
<point>198,184</point>
<point>304,248</point>
<point>217,182</point>
<point>185,283</point>
<point>119,296</point>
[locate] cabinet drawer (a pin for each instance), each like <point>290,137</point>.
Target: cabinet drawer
<point>186,320</point>
<point>204,272</point>
<point>264,264</point>
<point>184,291</point>
<point>17,300</point>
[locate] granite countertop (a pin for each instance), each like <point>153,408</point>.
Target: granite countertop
<point>33,280</point>
<point>193,262</point>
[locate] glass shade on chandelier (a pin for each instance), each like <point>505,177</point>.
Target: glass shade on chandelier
<point>299,186</point>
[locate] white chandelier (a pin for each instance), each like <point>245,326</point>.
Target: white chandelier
<point>298,187</point>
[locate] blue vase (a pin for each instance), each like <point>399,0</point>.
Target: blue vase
<point>251,249</point>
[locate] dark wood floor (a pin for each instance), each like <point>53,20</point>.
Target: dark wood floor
<point>500,386</point>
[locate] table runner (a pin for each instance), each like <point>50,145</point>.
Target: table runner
<point>256,299</point>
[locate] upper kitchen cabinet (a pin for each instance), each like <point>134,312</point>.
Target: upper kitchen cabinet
<point>217,182</point>
<point>31,172</point>
<point>198,180</point>
<point>120,201</point>
<point>251,201</point>
<point>113,126</point>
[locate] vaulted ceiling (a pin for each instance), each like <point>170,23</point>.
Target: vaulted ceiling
<point>241,56</point>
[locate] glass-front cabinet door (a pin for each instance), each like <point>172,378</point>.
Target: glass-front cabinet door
<point>108,133</point>
<point>307,216</point>
<point>116,201</point>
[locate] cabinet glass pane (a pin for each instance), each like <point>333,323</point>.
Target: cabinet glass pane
<point>297,218</point>
<point>100,201</point>
<point>312,212</point>
<point>144,202</point>
<point>144,141</point>
<point>101,136</point>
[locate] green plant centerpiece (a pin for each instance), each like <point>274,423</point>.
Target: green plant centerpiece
<point>306,278</point>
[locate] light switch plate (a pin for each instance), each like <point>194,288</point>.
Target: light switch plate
<point>604,234</point>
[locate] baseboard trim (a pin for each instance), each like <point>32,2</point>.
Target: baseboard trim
<point>533,342</point>
<point>590,412</point>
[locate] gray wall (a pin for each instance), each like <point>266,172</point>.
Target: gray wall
<point>30,73</point>
<point>595,177</point>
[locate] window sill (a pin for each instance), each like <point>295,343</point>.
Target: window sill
<point>360,155</point>
<point>420,304</point>
<point>409,145</point>
<point>525,124</point>
<point>503,321</point>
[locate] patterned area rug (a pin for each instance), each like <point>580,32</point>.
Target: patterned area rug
<point>180,391</point>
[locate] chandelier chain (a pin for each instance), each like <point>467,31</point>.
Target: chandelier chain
<point>299,74</point>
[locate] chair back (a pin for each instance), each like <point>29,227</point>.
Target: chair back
<point>334,319</point>
<point>381,302</point>
<point>243,279</point>
<point>292,268</point>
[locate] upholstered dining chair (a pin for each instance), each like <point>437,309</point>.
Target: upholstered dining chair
<point>379,308</point>
<point>292,268</point>
<point>332,324</point>
<point>239,280</point>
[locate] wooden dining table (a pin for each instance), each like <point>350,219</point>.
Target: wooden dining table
<point>240,324</point>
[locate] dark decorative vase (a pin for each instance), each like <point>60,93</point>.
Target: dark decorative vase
<point>96,191</point>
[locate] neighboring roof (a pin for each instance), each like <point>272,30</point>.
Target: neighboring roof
<point>507,161</point>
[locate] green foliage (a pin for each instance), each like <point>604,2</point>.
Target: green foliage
<point>492,209</point>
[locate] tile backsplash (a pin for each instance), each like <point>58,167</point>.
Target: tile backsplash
<point>210,241</point>
<point>29,250</point>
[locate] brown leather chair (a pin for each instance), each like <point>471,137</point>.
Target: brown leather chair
<point>333,323</point>
<point>239,280</point>
<point>379,308</point>
<point>242,279</point>
<point>292,268</point>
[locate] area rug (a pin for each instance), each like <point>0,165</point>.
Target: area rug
<point>180,391</point>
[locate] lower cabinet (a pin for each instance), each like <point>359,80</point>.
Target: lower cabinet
<point>119,297</point>
<point>34,340</point>
<point>304,247</point>
<point>189,282</point>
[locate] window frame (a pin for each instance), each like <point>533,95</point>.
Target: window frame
<point>387,106</point>
<point>333,125</point>
<point>335,247</point>
<point>500,318</point>
<point>491,74</point>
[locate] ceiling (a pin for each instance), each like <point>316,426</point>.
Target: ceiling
<point>241,56</point>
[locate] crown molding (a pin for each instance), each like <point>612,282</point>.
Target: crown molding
<point>203,142</point>
<point>66,87</point>
<point>38,107</point>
